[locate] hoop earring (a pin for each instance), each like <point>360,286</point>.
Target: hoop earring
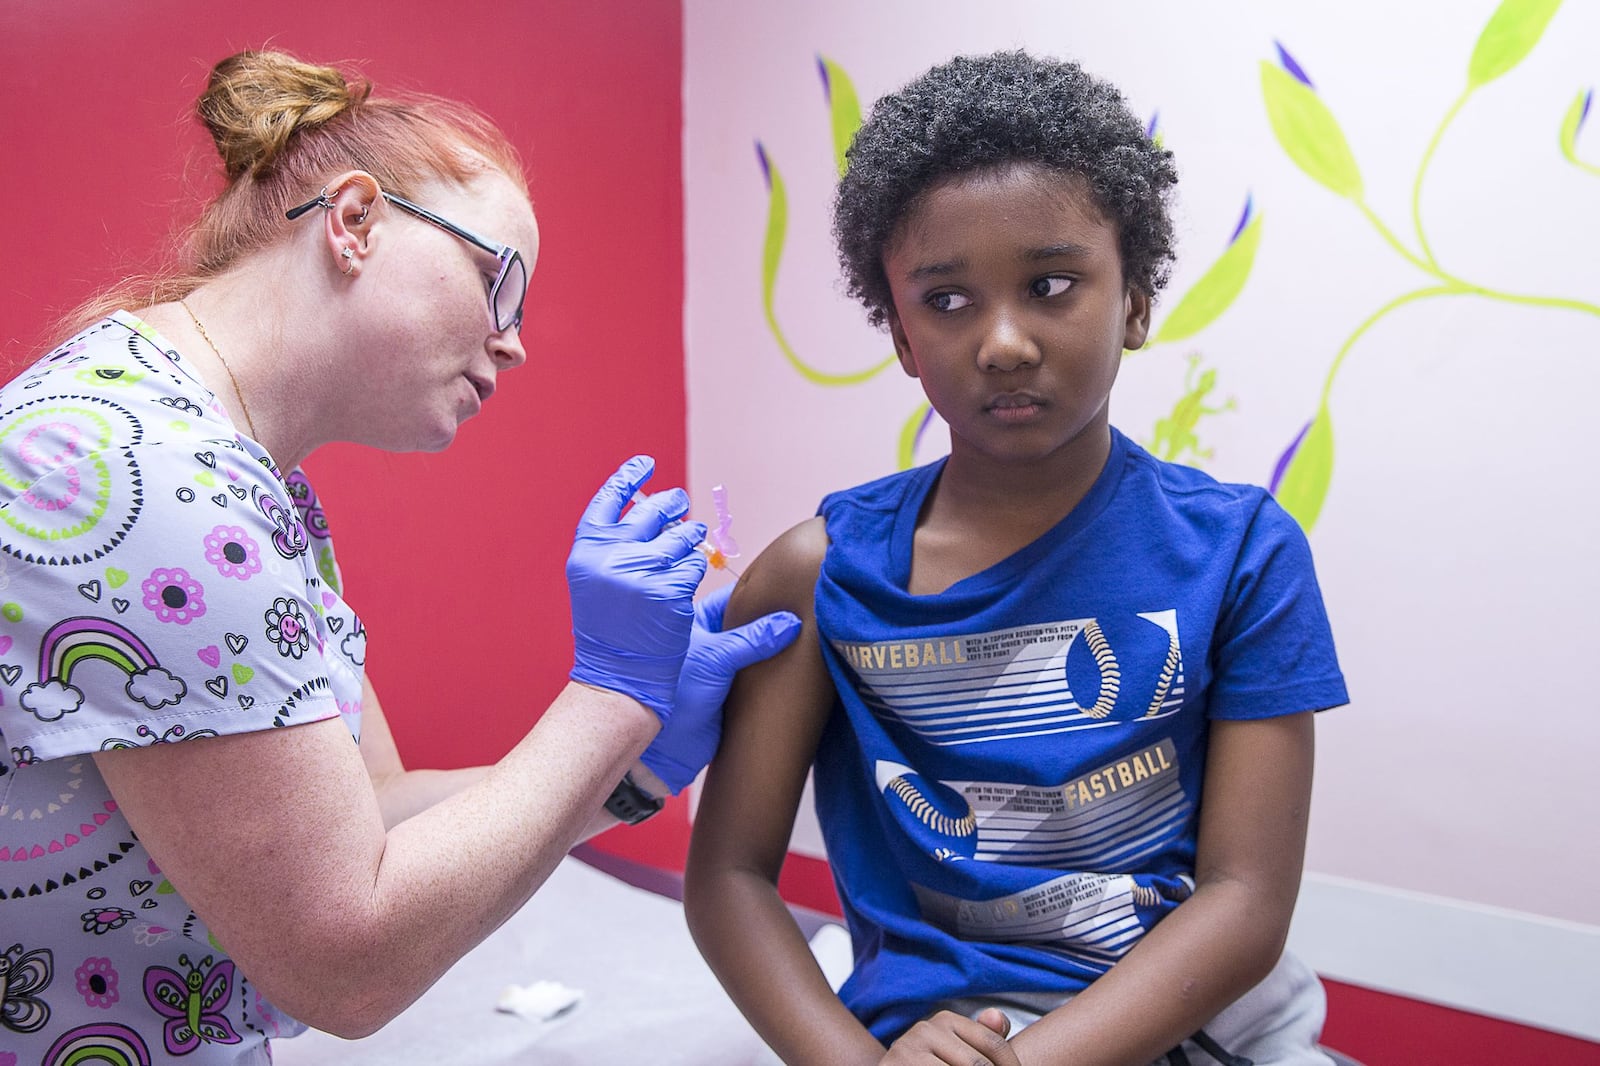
<point>349,260</point>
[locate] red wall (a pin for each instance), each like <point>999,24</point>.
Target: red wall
<point>1384,1030</point>
<point>454,560</point>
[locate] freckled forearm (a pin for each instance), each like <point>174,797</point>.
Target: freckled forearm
<point>494,839</point>
<point>411,792</point>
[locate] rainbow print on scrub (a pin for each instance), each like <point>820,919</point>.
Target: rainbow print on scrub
<point>107,1042</point>
<point>74,641</point>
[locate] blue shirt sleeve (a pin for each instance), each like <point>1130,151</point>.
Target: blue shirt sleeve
<point>1274,652</point>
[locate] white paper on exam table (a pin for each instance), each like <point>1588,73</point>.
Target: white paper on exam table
<point>648,995</point>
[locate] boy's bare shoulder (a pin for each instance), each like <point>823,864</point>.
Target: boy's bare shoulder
<point>783,576</point>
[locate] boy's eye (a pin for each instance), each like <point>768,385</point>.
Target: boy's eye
<point>1050,286</point>
<point>947,301</point>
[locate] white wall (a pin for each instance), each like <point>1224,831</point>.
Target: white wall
<point>1455,546</point>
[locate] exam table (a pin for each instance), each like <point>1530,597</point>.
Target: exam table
<point>648,997</point>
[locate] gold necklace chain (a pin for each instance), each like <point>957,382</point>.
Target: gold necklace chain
<point>235,381</point>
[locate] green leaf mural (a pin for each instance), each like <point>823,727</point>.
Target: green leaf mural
<point>1305,473</point>
<point>771,257</point>
<point>845,107</point>
<point>1217,288</point>
<point>772,245</point>
<point>845,119</point>
<point>911,432</point>
<point>1509,36</point>
<point>1308,131</point>
<point>1571,124</point>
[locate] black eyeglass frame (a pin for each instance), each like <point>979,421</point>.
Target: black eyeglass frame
<point>507,255</point>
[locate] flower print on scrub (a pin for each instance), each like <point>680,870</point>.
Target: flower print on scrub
<point>305,502</point>
<point>173,595</point>
<point>97,982</point>
<point>146,934</point>
<point>289,536</point>
<point>233,552</point>
<point>102,921</point>
<point>286,625</point>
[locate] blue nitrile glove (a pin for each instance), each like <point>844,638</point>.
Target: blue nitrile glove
<point>632,583</point>
<point>689,739</point>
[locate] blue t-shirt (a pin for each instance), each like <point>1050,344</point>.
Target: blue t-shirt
<point>1009,787</point>
<point>160,582</point>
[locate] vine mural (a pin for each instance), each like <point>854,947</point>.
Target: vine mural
<point>1308,132</point>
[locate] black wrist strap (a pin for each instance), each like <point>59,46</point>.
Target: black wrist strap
<point>630,804</point>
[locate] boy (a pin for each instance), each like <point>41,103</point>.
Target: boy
<point>1024,665</point>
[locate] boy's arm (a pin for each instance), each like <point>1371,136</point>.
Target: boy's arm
<point>1225,938</point>
<point>774,717</point>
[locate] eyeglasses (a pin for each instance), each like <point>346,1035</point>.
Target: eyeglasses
<point>510,285</point>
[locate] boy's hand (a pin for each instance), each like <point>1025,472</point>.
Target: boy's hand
<point>948,1039</point>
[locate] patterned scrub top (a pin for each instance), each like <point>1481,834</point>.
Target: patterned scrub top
<point>160,582</point>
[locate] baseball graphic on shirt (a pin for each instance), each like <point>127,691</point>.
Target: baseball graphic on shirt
<point>1126,667</point>
<point>934,815</point>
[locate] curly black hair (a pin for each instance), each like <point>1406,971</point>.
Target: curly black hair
<point>977,113</point>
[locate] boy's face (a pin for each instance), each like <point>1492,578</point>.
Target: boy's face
<point>1010,306</point>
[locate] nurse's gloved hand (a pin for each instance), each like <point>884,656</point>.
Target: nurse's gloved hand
<point>632,582</point>
<point>689,739</point>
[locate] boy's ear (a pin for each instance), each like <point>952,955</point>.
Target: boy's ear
<point>902,347</point>
<point>1136,326</point>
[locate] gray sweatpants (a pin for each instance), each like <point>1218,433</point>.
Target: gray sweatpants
<point>1276,1023</point>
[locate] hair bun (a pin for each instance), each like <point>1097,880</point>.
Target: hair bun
<point>255,101</point>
